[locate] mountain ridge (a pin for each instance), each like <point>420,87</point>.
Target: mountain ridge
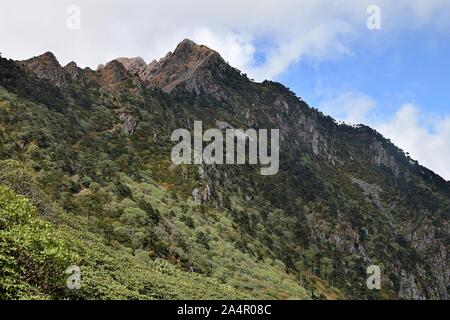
<point>46,66</point>
<point>345,196</point>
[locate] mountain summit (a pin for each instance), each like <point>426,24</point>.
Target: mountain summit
<point>191,68</point>
<point>46,66</point>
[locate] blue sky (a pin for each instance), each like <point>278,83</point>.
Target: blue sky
<point>412,67</point>
<point>399,83</point>
<point>396,79</point>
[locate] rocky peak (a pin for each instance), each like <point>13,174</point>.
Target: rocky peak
<point>114,77</point>
<point>189,50</point>
<point>114,72</point>
<point>191,66</point>
<point>46,66</point>
<point>187,44</point>
<point>45,58</point>
<point>73,70</point>
<point>133,65</point>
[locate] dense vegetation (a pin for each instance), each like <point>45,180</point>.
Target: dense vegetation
<point>34,256</point>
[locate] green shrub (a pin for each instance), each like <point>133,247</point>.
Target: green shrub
<point>33,260</point>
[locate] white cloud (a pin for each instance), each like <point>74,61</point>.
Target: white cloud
<point>296,29</point>
<point>350,107</point>
<point>427,141</point>
<point>236,48</point>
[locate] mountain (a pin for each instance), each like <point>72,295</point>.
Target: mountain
<point>90,152</point>
<point>46,66</point>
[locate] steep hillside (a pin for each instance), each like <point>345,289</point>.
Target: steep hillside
<point>98,143</point>
<point>34,256</point>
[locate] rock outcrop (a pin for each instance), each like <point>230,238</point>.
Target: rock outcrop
<point>46,66</point>
<point>134,66</point>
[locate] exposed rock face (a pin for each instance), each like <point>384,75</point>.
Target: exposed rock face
<point>282,103</point>
<point>408,287</point>
<point>196,196</point>
<point>382,157</point>
<point>114,72</point>
<point>73,71</point>
<point>306,129</point>
<point>129,123</point>
<point>89,75</point>
<point>115,77</point>
<point>192,67</point>
<point>371,191</point>
<point>205,193</point>
<point>46,66</point>
<point>424,237</point>
<point>133,65</point>
<point>340,233</point>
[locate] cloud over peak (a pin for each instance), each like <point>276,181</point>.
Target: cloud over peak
<point>296,29</point>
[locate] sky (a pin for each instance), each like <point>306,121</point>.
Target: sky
<point>394,78</point>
